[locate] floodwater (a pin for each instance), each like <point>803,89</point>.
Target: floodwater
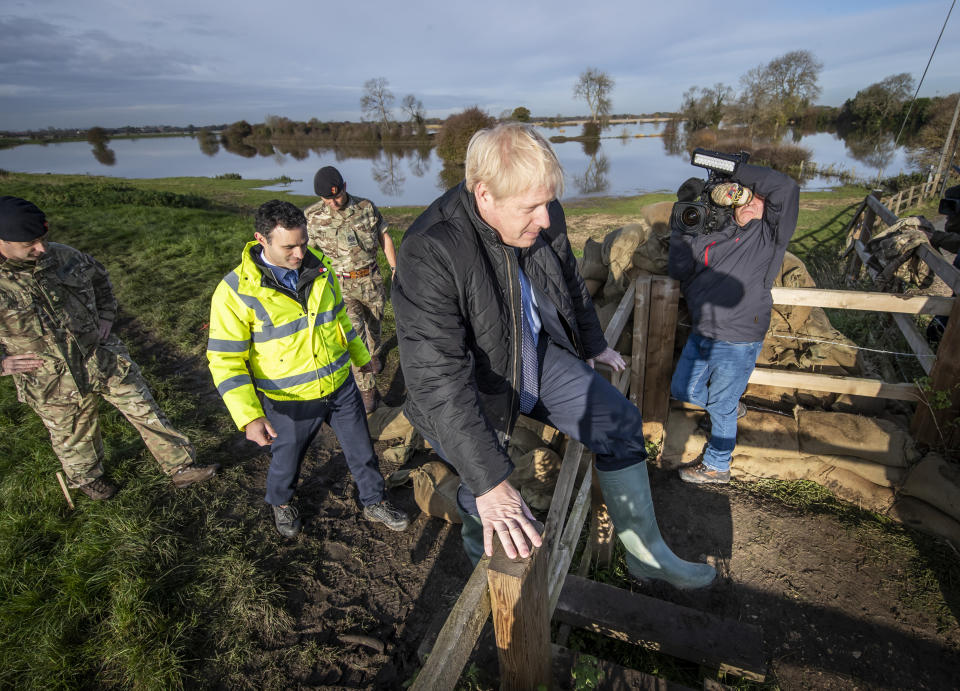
<point>630,160</point>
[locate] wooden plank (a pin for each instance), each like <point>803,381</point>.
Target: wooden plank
<point>641,318</point>
<point>569,469</point>
<point>521,620</point>
<point>887,216</point>
<point>620,317</point>
<point>789,379</point>
<point>683,632</point>
<point>863,235</point>
<point>609,676</point>
<point>561,557</point>
<point>664,298</point>
<point>918,344</point>
<point>929,427</point>
<point>862,300</point>
<point>940,266</point>
<point>459,635</point>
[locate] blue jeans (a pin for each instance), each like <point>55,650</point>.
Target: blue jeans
<point>297,423</point>
<point>713,375</point>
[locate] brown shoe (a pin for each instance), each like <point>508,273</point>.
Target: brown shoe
<point>193,473</point>
<point>98,489</point>
<point>702,475</point>
<point>369,400</point>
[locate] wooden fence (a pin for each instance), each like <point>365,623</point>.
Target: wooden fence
<point>526,594</point>
<point>912,196</point>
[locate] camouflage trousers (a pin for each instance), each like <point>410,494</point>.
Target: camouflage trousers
<point>74,427</point>
<point>364,299</point>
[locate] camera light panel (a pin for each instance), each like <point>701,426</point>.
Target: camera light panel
<point>705,161</point>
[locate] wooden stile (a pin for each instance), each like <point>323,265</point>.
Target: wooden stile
<point>641,319</point>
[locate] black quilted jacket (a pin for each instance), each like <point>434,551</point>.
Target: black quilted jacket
<point>457,304</point>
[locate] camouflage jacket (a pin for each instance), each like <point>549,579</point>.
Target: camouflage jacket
<point>53,307</point>
<point>350,237</point>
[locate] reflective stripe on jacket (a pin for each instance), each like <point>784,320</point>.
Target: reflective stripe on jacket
<point>297,347</point>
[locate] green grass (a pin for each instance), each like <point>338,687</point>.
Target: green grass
<point>158,588</point>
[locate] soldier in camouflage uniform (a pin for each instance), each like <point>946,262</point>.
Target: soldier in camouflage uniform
<point>350,230</point>
<point>56,315</point>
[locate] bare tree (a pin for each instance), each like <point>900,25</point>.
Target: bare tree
<point>705,107</point>
<point>377,100</point>
<point>413,107</point>
<point>594,87</point>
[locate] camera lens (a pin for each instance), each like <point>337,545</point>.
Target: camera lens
<point>690,216</point>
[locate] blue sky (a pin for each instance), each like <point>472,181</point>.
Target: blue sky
<point>113,62</point>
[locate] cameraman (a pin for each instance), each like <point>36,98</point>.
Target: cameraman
<point>726,276</point>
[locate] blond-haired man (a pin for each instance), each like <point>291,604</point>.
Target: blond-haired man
<point>493,320</point>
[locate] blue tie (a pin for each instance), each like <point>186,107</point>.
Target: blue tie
<point>290,279</point>
<point>529,384</point>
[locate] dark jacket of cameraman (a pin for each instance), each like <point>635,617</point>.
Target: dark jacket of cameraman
<point>726,276</point>
<point>457,303</point>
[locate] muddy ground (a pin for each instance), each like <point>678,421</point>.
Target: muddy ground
<point>843,603</point>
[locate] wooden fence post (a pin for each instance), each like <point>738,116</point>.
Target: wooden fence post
<point>519,601</point>
<point>866,228</point>
<point>661,333</point>
<point>945,376</point>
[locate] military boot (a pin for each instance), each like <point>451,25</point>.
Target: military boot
<point>192,473</point>
<point>98,489</point>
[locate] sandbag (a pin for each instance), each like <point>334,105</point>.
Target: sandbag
<point>855,489</point>
<point>550,436</point>
<point>591,263</point>
<point>522,441</point>
<point>843,434</point>
<point>435,486</point>
<point>877,473</point>
<point>920,515</point>
<point>683,439</point>
<point>593,286</point>
<point>399,455</point>
<point>657,216</point>
<point>767,434</point>
<point>388,423</point>
<point>535,475</point>
<point>618,249</point>
<point>935,481</point>
<point>842,483</point>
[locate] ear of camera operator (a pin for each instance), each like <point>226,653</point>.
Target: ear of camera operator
<point>728,238</point>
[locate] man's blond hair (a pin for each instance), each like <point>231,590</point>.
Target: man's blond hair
<point>510,159</point>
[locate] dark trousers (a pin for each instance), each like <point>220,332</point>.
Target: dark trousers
<point>583,405</point>
<point>297,423</point>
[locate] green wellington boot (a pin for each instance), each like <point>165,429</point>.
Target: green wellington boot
<point>627,494</point>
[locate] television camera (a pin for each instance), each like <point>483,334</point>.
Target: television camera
<point>695,212</point>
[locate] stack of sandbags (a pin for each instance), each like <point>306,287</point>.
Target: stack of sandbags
<point>859,459</point>
<point>592,268</point>
<point>929,499</point>
<point>534,451</point>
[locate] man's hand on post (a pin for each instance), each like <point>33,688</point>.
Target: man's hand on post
<point>367,368</point>
<point>502,510</point>
<point>18,364</point>
<point>611,358</point>
<point>261,431</point>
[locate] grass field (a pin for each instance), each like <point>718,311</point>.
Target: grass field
<point>159,588</point>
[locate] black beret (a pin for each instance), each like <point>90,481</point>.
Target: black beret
<point>328,182</point>
<point>20,220</point>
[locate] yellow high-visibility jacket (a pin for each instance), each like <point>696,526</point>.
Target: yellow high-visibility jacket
<point>263,338</point>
